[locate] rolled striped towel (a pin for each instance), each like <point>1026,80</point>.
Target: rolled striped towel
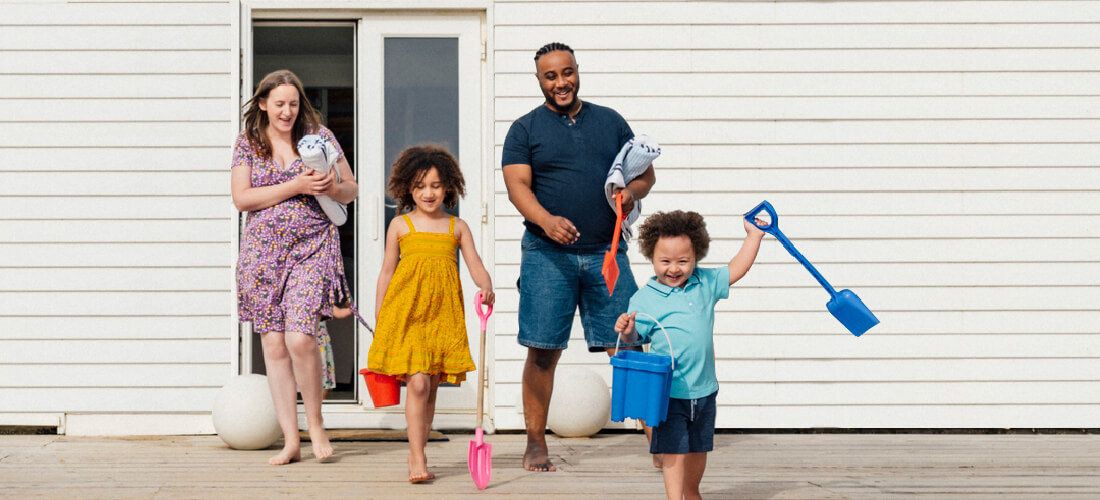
<point>320,155</point>
<point>633,159</point>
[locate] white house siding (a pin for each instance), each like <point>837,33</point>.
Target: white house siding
<point>939,158</point>
<point>117,233</point>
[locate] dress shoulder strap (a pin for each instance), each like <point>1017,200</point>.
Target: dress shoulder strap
<point>409,222</point>
<point>451,228</point>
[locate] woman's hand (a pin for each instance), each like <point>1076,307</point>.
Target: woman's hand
<point>303,182</point>
<point>328,185</point>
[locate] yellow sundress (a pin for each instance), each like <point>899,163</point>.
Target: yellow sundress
<point>422,324</point>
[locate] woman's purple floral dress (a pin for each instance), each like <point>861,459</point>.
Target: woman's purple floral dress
<point>289,271</point>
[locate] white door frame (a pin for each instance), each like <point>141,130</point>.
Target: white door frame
<point>468,23</point>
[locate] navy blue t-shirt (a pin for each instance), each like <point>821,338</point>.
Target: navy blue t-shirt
<point>569,163</point>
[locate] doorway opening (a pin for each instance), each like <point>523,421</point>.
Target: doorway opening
<point>322,54</point>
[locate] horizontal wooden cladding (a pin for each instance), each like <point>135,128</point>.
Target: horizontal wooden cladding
<point>895,393</point>
<point>123,376</point>
<point>1031,155</point>
<point>203,109</point>
<point>672,179</point>
<point>737,320</point>
<point>116,86</point>
<point>735,371</point>
<point>908,60</point>
<point>213,250</point>
<point>610,35</point>
<point>78,351</point>
<point>120,159</point>
<point>684,110</point>
<point>69,279</point>
<point>728,227</point>
<point>114,134</point>
<point>116,207</point>
<point>115,183</point>
<point>815,84</point>
<point>778,269</point>
<point>862,131</point>
<point>109,399</point>
<point>872,345</point>
<point>536,13</point>
<point>92,37</point>
<point>134,325</point>
<point>118,303</point>
<point>855,251</point>
<point>900,202</point>
<point>69,231</point>
<point>136,13</point>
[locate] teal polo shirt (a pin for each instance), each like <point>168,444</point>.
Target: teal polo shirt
<point>688,316</point>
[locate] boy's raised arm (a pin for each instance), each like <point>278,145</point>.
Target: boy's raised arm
<point>741,262</point>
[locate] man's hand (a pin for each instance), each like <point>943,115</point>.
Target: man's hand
<point>628,199</point>
<point>560,230</point>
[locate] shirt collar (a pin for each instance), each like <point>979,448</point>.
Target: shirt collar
<point>665,290</point>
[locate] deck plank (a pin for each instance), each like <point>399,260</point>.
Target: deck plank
<point>611,466</point>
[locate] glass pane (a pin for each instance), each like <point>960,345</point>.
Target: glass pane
<point>421,98</point>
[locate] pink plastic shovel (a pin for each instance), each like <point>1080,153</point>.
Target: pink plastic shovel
<point>481,453</point>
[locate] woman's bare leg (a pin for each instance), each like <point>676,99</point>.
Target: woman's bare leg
<point>280,380</point>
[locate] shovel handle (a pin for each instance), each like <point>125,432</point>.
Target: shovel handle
<point>772,228</point>
<point>481,313</point>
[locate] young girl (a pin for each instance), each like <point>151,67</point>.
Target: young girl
<point>421,332</point>
<point>682,297</point>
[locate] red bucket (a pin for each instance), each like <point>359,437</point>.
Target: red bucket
<point>384,390</point>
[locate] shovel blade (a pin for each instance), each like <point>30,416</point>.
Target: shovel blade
<point>480,463</point>
<point>610,271</point>
<point>847,308</point>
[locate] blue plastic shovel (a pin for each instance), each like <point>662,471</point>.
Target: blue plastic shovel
<point>845,306</point>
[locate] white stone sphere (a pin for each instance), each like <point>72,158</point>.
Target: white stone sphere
<point>243,414</point>
<point>581,403</point>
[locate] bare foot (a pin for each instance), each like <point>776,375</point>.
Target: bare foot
<point>657,462</point>
<point>535,459</point>
<point>418,469</point>
<point>291,453</point>
<point>318,440</point>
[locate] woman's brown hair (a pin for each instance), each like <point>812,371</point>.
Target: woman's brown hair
<point>255,119</point>
<point>410,167</point>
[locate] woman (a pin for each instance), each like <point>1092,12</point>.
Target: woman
<point>289,272</point>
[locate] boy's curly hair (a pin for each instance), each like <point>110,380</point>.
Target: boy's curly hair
<point>410,167</point>
<point>671,224</point>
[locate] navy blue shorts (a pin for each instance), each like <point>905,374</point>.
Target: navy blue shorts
<point>689,427</point>
<point>555,282</point>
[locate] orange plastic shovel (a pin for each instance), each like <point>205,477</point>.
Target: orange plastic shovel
<point>480,459</point>
<point>610,265</point>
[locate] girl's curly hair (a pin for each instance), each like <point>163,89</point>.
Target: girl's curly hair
<point>672,224</point>
<point>410,167</point>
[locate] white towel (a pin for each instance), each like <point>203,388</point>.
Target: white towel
<point>320,155</point>
<point>636,156</point>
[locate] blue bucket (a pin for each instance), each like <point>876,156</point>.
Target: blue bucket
<point>640,384</point>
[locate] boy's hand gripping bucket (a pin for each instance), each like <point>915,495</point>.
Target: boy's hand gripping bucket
<point>641,382</point>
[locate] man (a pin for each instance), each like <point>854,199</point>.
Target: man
<point>555,163</point>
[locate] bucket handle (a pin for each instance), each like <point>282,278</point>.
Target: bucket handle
<point>672,353</point>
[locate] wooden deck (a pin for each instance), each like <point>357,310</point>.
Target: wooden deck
<point>608,466</point>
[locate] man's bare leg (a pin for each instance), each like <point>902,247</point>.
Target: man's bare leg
<point>538,386</point>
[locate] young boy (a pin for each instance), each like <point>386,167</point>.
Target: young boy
<point>682,297</point>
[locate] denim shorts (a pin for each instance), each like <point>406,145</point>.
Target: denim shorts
<point>554,282</point>
<point>689,427</point>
